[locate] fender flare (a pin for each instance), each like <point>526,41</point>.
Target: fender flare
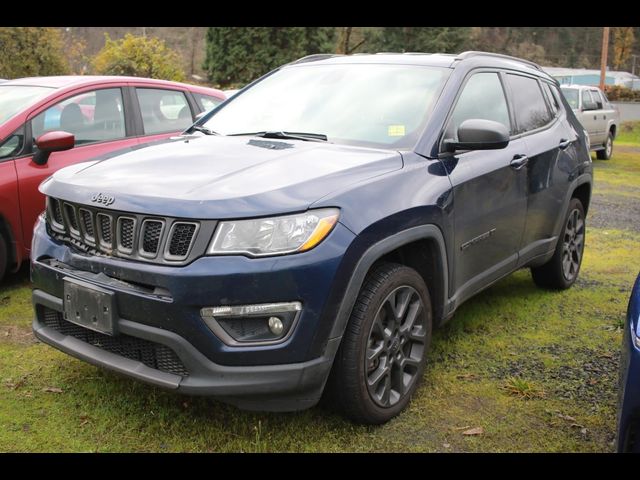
<point>374,253</point>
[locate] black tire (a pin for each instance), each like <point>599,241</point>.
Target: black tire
<point>605,154</point>
<point>4,256</point>
<point>562,270</point>
<point>401,339</point>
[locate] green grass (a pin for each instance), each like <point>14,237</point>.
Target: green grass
<point>537,370</point>
<point>629,133</point>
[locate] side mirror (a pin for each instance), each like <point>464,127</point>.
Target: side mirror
<point>477,134</point>
<point>56,141</point>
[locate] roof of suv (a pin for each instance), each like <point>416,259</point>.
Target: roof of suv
<point>447,60</point>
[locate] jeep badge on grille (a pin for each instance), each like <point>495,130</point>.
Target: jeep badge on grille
<point>106,200</point>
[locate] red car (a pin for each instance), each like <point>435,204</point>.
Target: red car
<point>85,116</point>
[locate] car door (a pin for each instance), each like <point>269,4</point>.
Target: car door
<point>550,141</point>
<point>163,112</point>
<point>489,190</point>
<point>98,120</point>
<point>589,118</point>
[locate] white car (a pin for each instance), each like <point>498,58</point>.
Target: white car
<point>596,114</point>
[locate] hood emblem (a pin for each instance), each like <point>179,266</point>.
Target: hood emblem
<point>105,200</point>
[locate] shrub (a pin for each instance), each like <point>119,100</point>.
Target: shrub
<point>138,57</point>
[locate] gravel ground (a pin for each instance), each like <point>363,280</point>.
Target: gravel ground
<point>620,212</point>
<point>615,212</point>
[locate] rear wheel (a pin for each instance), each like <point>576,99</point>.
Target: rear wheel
<point>3,256</point>
<point>562,270</point>
<point>383,351</point>
<point>605,154</point>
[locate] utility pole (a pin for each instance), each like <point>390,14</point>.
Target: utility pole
<point>605,50</point>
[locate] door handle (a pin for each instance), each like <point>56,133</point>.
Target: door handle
<point>519,161</point>
<point>564,143</point>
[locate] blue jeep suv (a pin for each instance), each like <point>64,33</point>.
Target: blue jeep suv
<point>304,238</point>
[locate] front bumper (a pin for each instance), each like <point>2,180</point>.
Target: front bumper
<point>161,305</point>
<point>284,387</point>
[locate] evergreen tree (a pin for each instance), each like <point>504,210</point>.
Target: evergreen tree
<point>419,39</point>
<point>238,55</point>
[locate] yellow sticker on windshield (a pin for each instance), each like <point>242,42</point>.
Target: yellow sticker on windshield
<point>395,131</point>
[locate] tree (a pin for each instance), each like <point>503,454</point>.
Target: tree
<point>31,51</point>
<point>238,55</point>
<point>623,40</point>
<point>419,39</point>
<point>139,57</point>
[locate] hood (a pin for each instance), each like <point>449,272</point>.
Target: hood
<point>220,177</point>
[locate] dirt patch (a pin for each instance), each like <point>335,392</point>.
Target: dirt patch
<point>16,334</point>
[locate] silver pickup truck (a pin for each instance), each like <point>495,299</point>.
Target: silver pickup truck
<point>598,117</point>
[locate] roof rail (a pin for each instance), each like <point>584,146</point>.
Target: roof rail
<point>473,53</point>
<point>315,57</point>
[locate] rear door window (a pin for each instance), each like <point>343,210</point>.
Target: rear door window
<point>529,105</point>
<point>163,110</point>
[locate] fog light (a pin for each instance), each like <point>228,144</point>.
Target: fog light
<point>276,326</point>
<point>252,324</point>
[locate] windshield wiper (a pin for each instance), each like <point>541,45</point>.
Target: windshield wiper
<point>307,137</point>
<point>205,130</point>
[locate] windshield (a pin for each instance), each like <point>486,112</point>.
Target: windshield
<point>14,98</point>
<point>571,94</point>
<point>375,105</point>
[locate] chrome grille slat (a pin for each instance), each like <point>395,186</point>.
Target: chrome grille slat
<point>134,236</point>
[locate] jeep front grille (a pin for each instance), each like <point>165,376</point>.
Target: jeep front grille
<point>128,235</point>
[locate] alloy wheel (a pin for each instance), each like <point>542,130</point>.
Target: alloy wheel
<point>395,346</point>
<point>573,244</point>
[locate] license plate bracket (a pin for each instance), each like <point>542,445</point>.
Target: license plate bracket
<point>89,306</point>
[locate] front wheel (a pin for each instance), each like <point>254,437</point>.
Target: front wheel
<point>562,270</point>
<point>383,352</point>
<point>606,153</point>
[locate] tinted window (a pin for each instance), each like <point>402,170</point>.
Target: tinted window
<point>91,116</point>
<point>482,98</point>
<point>163,110</point>
<point>553,100</point>
<point>207,102</point>
<point>595,94</point>
<point>531,109</point>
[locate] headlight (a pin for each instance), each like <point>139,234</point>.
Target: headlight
<point>274,236</point>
